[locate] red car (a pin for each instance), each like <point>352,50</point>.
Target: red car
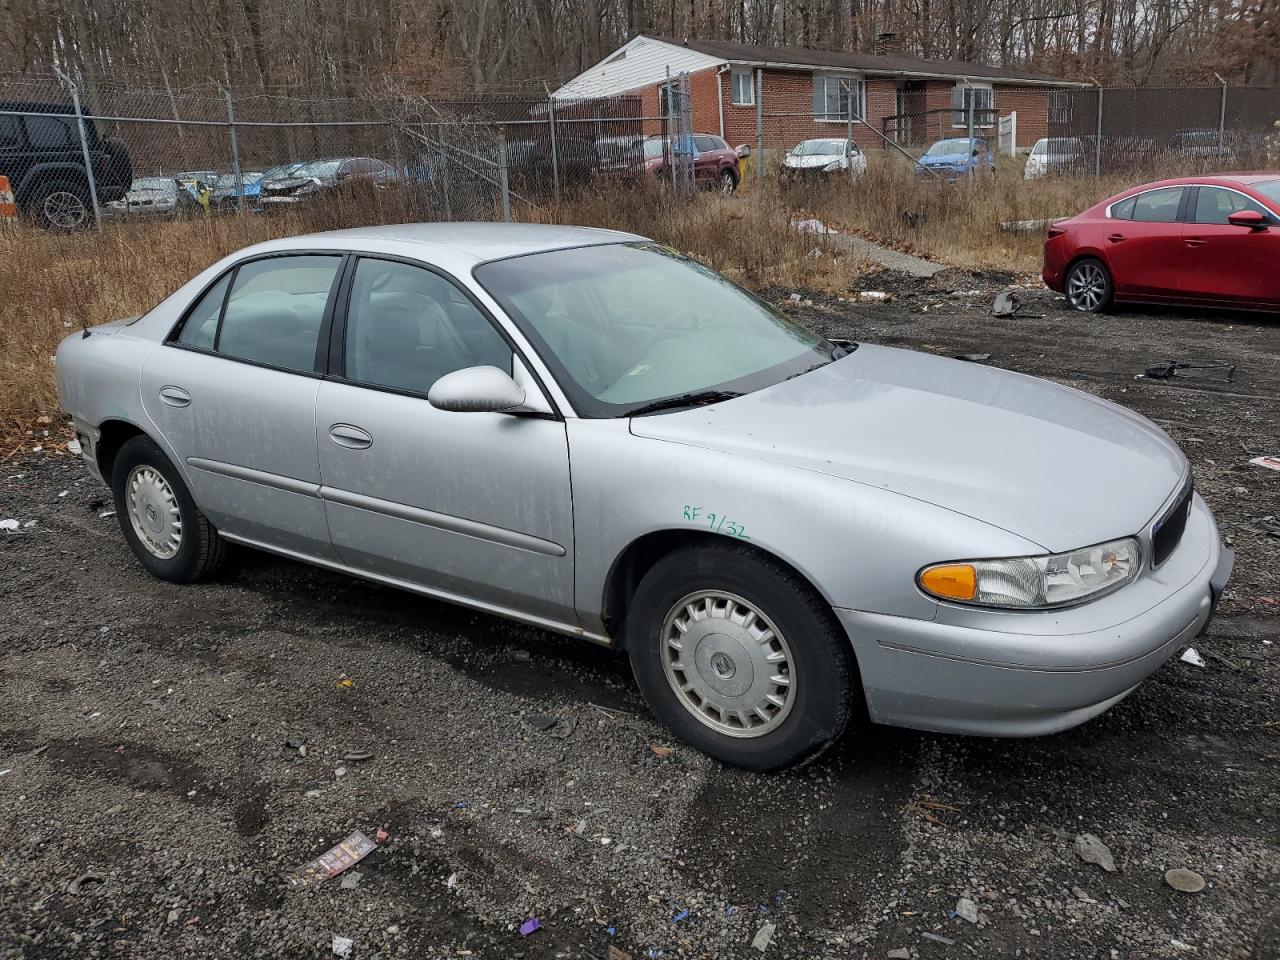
<point>715,163</point>
<point>1211,240</point>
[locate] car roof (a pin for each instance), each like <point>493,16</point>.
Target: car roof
<point>444,242</point>
<point>1208,179</point>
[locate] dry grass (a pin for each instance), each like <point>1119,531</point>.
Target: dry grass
<point>52,284</point>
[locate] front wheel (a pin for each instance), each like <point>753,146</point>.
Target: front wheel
<point>1089,286</point>
<point>739,656</point>
<point>728,182</point>
<point>161,523</point>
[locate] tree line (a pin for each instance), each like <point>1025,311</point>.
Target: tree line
<point>337,48</point>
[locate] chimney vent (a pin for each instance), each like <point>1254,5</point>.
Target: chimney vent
<point>888,43</point>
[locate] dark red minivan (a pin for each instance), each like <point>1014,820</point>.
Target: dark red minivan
<point>1212,240</point>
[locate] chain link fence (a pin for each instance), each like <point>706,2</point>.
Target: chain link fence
<point>76,153</point>
<point>1178,129</point>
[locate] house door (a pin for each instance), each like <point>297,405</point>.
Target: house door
<point>910,110</point>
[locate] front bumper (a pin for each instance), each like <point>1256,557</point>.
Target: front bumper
<point>1027,674</point>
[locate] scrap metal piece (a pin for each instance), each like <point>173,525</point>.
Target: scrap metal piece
<point>1167,369</point>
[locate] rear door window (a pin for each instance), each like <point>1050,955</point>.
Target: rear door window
<point>276,307</point>
<point>48,133</point>
<point>1157,206</point>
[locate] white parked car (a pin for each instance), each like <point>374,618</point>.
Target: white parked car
<point>1054,155</point>
<point>823,158</point>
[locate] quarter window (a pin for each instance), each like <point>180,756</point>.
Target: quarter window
<point>1157,206</point>
<point>200,329</point>
<point>744,90</point>
<point>1215,205</point>
<point>10,134</point>
<point>275,310</point>
<point>407,327</point>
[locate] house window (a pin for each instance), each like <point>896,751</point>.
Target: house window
<point>838,99</point>
<point>982,100</point>
<point>744,90</point>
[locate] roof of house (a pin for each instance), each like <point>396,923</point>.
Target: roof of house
<point>864,62</point>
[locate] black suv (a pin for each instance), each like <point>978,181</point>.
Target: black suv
<point>40,154</point>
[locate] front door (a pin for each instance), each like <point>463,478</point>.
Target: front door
<point>909,106</point>
<point>1226,263</point>
<point>234,396</point>
<point>473,506</point>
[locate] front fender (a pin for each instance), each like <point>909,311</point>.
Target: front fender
<point>860,546</point>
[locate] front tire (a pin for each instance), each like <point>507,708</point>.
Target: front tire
<point>728,183</point>
<point>1088,286</point>
<point>61,205</point>
<point>161,523</point>
<point>740,657</point>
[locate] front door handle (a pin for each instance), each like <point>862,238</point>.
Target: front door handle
<point>175,396</point>
<point>1195,241</point>
<point>1116,237</point>
<point>353,438</point>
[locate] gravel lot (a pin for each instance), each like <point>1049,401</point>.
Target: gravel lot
<point>150,744</point>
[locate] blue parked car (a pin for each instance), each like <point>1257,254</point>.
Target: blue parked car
<point>953,159</point>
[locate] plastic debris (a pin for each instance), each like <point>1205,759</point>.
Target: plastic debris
<point>333,861</point>
<point>529,926</point>
<point>763,937</point>
<point>1192,656</point>
<point>382,836</point>
<point>1184,880</point>
<point>342,946</point>
<point>73,446</point>
<point>1271,463</point>
<point>967,910</point>
<point>682,915</point>
<point>452,881</point>
<point>346,683</point>
<point>973,357</point>
<point>937,938</point>
<point>873,296</point>
<point>9,525</point>
<point>1092,850</point>
<point>351,880</point>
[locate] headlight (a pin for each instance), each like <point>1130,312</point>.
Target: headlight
<point>833,165</point>
<point>1052,580</point>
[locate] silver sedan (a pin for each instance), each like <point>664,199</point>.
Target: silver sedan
<point>584,430</point>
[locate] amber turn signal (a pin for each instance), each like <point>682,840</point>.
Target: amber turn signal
<point>951,581</point>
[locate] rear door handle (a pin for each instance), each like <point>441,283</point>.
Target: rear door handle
<point>353,438</point>
<point>1116,237</point>
<point>175,396</point>
<point>1195,241</point>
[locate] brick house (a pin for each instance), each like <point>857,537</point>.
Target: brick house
<point>808,93</point>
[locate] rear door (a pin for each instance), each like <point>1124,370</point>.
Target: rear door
<point>233,393</point>
<point>706,164</point>
<point>12,147</point>
<point>1225,263</point>
<point>1144,245</point>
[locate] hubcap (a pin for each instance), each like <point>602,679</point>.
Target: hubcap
<point>726,183</point>
<point>64,209</point>
<point>1087,287</point>
<point>727,663</point>
<point>153,512</point>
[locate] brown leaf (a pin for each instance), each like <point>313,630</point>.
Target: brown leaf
<point>661,751</point>
<point>616,953</point>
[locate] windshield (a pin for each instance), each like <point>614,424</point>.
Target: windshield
<point>1269,189</point>
<point>283,170</point>
<point>819,148</point>
<point>317,168</point>
<point>154,185</point>
<point>949,148</point>
<point>652,149</point>
<point>623,325</point>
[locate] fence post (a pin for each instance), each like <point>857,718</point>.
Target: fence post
<point>502,175</point>
<point>84,147</point>
<point>1097,139</point>
<point>555,154</point>
<point>759,127</point>
<point>973,168</point>
<point>1222,113</point>
<point>235,149</point>
<point>848,134</point>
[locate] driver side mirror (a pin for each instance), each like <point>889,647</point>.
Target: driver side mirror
<point>1248,218</point>
<point>476,390</point>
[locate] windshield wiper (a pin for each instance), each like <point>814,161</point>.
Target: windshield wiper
<point>697,398</point>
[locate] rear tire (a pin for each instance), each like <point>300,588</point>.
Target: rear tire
<point>740,657</point>
<point>61,205</point>
<point>1088,286</point>
<point>161,523</point>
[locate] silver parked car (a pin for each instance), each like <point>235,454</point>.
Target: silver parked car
<point>583,430</point>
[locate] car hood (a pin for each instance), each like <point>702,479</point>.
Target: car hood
<point>944,160</point>
<point>803,163</point>
<point>1056,466</point>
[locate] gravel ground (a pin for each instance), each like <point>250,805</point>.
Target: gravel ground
<point>169,755</point>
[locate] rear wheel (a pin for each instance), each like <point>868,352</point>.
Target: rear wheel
<point>739,657</point>
<point>61,205</point>
<point>1088,286</point>
<point>161,523</point>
